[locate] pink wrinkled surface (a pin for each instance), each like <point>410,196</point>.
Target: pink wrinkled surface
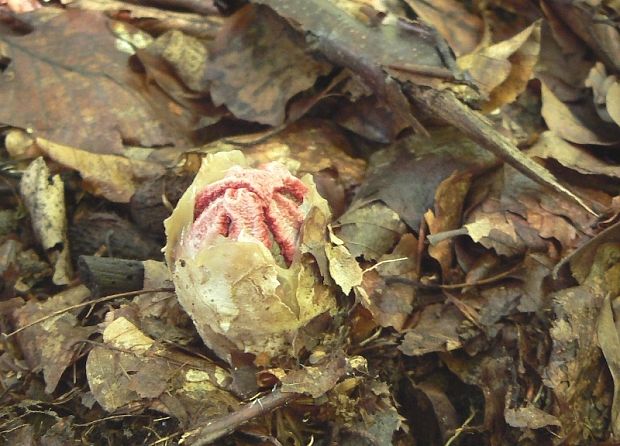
<point>263,203</point>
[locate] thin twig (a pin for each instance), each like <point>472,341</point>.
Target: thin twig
<point>227,424</point>
<point>454,286</point>
<point>85,304</point>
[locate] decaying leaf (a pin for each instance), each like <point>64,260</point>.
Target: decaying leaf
<point>461,29</point>
<point>54,344</point>
<point>187,54</point>
<point>436,331</point>
<point>406,177</point>
<point>576,123</point>
<point>518,214</point>
<point>257,41</point>
<point>130,368</point>
<point>70,66</point>
<point>391,301</point>
<point>609,341</point>
<point>449,199</point>
<point>316,381</point>
<point>45,201</point>
<point>575,157</point>
<point>370,231</point>
<point>574,365</point>
<point>343,268</point>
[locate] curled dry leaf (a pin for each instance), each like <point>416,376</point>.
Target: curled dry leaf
<point>573,156</point>
<point>517,214</point>
<point>234,246</point>
<point>577,123</point>
<point>503,70</point>
<point>111,176</point>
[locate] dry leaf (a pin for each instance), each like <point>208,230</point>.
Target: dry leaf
<point>256,84</point>
<point>343,267</point>
<point>609,342</point>
<point>449,199</point>
<point>436,331</point>
<point>370,231</point>
<point>573,370</point>
<point>390,302</point>
<point>461,29</point>
<point>503,70</point>
<point>518,214</point>
<point>576,123</point>
<point>111,176</point>
<point>54,344</point>
<point>578,158</point>
<point>130,368</point>
<point>71,68</point>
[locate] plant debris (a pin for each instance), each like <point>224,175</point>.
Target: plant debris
<point>351,222</point>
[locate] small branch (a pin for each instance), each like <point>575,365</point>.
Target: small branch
<point>227,424</point>
<point>446,106</point>
<point>109,275</point>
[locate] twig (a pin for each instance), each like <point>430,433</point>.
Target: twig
<point>453,286</point>
<point>85,304</point>
<point>446,106</point>
<point>227,424</point>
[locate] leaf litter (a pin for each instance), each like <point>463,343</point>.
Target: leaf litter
<point>430,283</point>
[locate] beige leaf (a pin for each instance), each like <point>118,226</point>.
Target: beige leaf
<point>343,267</point>
<point>112,176</point>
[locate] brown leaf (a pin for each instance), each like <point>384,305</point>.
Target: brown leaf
<point>131,368</point>
<point>461,28</point>
<point>573,156</point>
<point>405,177</point>
<point>257,63</point>
<point>530,417</point>
<point>449,199</point>
<point>52,345</point>
<point>574,366</point>
<point>391,302</point>
<point>609,342</point>
<point>591,24</point>
<point>503,70</point>
<point>370,231</point>
<point>495,374</point>
<point>518,214</point>
<point>68,82</point>
<point>577,123</point>
<point>318,380</point>
<point>187,54</point>
<point>437,331</point>
<point>369,118</point>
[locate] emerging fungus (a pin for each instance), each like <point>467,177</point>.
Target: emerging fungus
<point>263,203</point>
<point>234,247</point>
